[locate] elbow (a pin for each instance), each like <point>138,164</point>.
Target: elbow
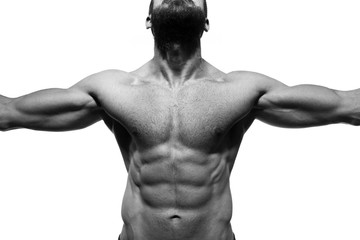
<point>357,123</point>
<point>4,127</point>
<point>350,118</point>
<point>353,121</point>
<point>7,125</point>
<point>349,107</point>
<point>5,116</point>
<point>4,124</point>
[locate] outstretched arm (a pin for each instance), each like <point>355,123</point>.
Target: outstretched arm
<point>49,110</point>
<point>306,105</point>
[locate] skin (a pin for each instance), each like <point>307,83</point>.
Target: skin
<point>179,123</point>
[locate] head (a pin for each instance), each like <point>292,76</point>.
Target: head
<point>177,22</point>
<point>204,6</point>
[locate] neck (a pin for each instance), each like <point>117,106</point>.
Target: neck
<point>177,65</point>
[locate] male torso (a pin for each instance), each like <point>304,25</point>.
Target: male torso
<point>179,145</point>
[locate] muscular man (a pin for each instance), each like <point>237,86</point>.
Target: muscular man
<point>179,122</point>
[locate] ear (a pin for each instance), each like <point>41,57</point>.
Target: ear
<point>207,25</point>
<point>148,22</point>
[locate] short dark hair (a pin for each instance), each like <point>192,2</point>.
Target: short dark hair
<point>151,7</point>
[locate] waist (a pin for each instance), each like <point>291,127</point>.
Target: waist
<point>168,214</point>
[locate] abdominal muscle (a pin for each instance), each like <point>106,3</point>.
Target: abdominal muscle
<point>177,193</point>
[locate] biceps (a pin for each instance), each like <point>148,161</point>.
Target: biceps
<point>54,110</point>
<point>300,106</point>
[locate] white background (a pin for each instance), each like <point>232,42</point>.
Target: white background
<point>286,184</point>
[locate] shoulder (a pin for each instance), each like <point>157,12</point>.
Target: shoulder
<point>108,76</point>
<point>238,76</point>
<point>258,81</point>
<point>104,79</point>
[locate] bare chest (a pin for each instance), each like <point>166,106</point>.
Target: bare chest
<point>196,116</point>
